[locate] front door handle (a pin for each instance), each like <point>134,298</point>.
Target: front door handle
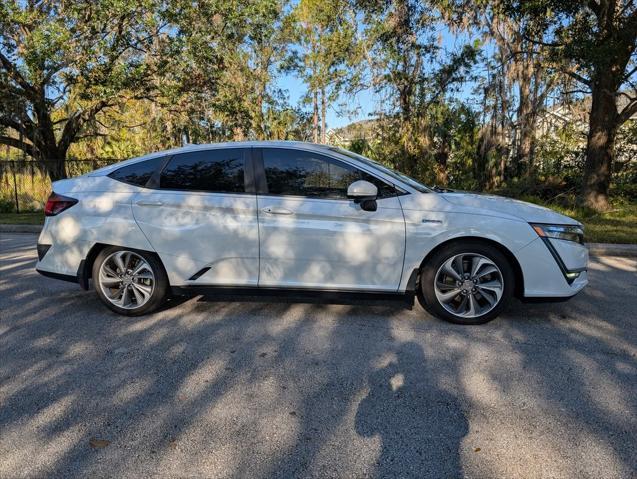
<point>148,203</point>
<point>273,210</point>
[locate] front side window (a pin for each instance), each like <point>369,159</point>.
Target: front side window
<point>216,171</point>
<point>137,174</point>
<point>303,173</point>
<point>388,171</point>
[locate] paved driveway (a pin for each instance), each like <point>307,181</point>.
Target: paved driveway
<point>277,389</point>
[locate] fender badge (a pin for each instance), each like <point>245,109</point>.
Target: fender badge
<point>425,220</point>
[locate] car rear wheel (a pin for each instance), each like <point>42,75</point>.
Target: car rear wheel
<point>467,283</point>
<point>129,282</point>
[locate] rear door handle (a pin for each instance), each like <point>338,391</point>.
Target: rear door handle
<point>148,203</point>
<point>273,210</point>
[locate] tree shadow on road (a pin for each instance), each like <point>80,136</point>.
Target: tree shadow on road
<point>421,426</point>
<point>250,388</point>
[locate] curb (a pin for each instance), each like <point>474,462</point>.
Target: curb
<point>608,249</point>
<point>594,249</point>
<point>35,229</point>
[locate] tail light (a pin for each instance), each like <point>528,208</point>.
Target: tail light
<point>57,203</point>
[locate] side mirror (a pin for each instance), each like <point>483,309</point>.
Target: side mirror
<point>364,193</point>
<point>362,190</point>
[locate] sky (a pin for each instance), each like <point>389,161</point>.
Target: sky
<point>364,102</point>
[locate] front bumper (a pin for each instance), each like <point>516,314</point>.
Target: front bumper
<point>571,257</point>
<point>553,268</point>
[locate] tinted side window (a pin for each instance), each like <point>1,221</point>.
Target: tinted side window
<point>137,174</point>
<point>219,171</point>
<point>303,173</point>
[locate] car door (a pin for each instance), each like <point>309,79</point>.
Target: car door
<point>312,236</point>
<point>201,218</point>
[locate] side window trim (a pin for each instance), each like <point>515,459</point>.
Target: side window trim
<point>262,184</point>
<point>153,181</point>
<point>250,176</point>
<point>259,171</point>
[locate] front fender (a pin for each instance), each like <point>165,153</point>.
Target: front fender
<point>427,230</point>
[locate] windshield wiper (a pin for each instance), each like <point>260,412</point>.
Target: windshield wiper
<point>440,189</point>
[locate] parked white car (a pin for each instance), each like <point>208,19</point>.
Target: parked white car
<point>281,216</point>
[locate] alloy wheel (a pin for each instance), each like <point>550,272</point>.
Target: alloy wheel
<point>126,279</point>
<point>469,285</point>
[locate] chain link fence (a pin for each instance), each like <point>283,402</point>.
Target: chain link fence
<point>25,184</point>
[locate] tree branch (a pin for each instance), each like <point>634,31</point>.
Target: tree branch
<point>25,126</point>
<point>21,145</point>
<point>544,44</point>
<point>578,77</point>
<point>16,75</point>
<point>628,112</point>
<point>595,7</point>
<point>76,121</point>
<point>630,73</point>
<point>11,123</point>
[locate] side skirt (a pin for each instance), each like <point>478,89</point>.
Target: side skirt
<point>548,299</point>
<point>61,277</point>
<point>294,294</point>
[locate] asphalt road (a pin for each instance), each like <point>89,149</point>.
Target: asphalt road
<point>254,389</point>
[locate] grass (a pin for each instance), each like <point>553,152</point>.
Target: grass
<point>34,218</point>
<point>619,225</point>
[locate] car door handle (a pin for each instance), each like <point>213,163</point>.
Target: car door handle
<point>148,203</point>
<point>273,210</point>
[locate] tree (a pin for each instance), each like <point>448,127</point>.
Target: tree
<point>325,39</point>
<point>62,63</point>
<point>518,81</point>
<point>522,62</point>
<point>594,42</point>
<point>410,66</point>
<point>267,41</point>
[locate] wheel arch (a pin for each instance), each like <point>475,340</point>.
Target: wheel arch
<point>86,266</point>
<point>517,269</point>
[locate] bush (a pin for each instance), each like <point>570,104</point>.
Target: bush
<point>7,206</point>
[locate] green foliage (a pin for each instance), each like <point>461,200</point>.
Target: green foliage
<point>561,155</point>
<point>11,218</point>
<point>62,63</point>
<point>617,225</point>
<point>116,79</point>
<point>6,205</point>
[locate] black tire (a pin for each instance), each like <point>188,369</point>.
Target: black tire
<point>426,292</point>
<point>159,291</point>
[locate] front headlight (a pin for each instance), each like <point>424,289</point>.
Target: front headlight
<point>562,232</point>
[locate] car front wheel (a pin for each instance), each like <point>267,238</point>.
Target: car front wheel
<point>129,282</point>
<point>466,283</point>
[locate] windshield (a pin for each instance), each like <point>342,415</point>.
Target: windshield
<point>397,175</point>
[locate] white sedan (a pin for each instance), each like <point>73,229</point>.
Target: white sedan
<point>287,217</point>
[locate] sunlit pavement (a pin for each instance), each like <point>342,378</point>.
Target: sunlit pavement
<point>276,389</point>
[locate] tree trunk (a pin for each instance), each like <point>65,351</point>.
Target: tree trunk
<point>315,122</point>
<point>323,114</point>
<point>600,149</point>
<point>525,123</point>
<point>54,162</point>
<point>442,157</point>
<point>526,145</point>
<point>259,123</point>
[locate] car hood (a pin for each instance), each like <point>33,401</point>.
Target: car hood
<point>506,206</point>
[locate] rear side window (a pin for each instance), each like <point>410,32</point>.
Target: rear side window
<point>303,173</point>
<point>137,174</point>
<point>217,171</point>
